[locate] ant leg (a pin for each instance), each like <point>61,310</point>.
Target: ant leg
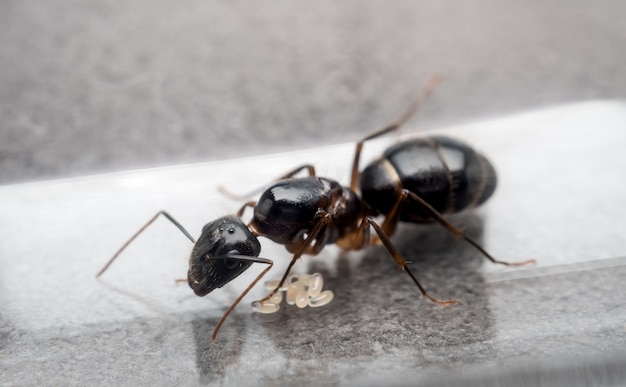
<point>168,216</point>
<point>391,219</point>
<point>310,169</point>
<point>250,204</point>
<point>395,254</point>
<point>295,171</point>
<point>319,226</point>
<point>413,108</point>
<point>458,232</point>
<point>243,294</point>
<point>359,238</point>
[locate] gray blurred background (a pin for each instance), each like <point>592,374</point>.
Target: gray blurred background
<point>109,85</point>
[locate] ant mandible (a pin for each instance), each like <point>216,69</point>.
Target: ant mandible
<point>416,180</point>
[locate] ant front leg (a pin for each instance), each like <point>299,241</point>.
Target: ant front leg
<point>309,168</point>
<point>457,232</point>
<point>243,294</point>
<point>304,246</point>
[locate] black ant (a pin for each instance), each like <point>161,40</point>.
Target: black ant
<point>414,181</point>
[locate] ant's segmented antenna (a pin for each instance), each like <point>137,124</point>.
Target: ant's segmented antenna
<point>128,242</point>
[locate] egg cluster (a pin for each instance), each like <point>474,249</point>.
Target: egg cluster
<point>301,290</point>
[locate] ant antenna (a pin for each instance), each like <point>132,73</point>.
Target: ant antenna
<point>168,216</point>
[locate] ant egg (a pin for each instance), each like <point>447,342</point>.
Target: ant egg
<point>277,298</point>
<point>301,290</point>
<point>322,299</point>
<point>272,284</point>
<point>316,284</point>
<point>305,279</point>
<point>302,298</point>
<point>292,292</point>
<point>265,307</point>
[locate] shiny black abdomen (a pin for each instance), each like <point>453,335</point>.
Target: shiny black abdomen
<point>446,173</point>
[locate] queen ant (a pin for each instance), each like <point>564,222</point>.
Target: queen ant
<point>418,180</point>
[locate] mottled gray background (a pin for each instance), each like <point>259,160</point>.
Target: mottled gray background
<point>109,85</point>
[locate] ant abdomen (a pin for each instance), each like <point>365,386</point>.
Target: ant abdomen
<point>448,174</point>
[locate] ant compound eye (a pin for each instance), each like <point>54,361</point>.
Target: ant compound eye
<point>231,263</point>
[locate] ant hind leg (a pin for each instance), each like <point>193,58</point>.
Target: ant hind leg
<point>457,232</point>
<point>395,125</point>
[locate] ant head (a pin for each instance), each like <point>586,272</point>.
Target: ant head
<point>219,255</point>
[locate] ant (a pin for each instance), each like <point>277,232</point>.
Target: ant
<point>417,180</point>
